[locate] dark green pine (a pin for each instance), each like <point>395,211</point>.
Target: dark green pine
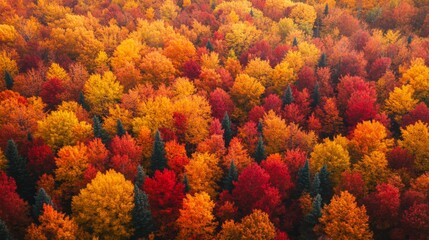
<point>40,199</point>
<point>251,12</point>
<point>228,182</point>
<point>8,80</point>
<point>141,214</point>
<point>98,130</point>
<point>4,231</point>
<point>260,153</point>
<point>295,42</point>
<point>17,169</point>
<point>304,178</point>
<point>325,185</point>
<point>260,128</point>
<point>29,137</point>
<point>409,39</point>
<point>315,96</point>
<point>315,186</point>
<point>186,183</point>
<point>227,132</point>
<point>287,96</point>
<point>326,11</point>
<point>141,176</point>
<point>120,131</point>
<point>311,219</point>
<point>209,46</point>
<point>322,60</point>
<point>158,160</point>
<point>83,102</point>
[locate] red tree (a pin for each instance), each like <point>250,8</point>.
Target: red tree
<point>221,102</point>
<point>126,145</point>
<point>420,112</point>
<point>279,175</point>
<point>51,92</point>
<point>415,221</point>
<point>383,205</point>
<point>272,102</point>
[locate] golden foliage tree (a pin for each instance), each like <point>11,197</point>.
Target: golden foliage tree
<point>369,136</point>
<point>415,139</point>
<point>157,69</point>
<point>343,219</point>
<point>196,220</point>
<point>400,101</point>
<point>373,168</point>
<point>246,92</point>
<point>238,154</point>
<point>104,207</point>
<point>257,225</point>
<point>417,76</point>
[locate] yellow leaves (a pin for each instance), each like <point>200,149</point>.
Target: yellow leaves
<point>55,70</point>
<point>238,154</point>
<point>304,16</point>
<point>284,73</point>
<point>373,168</point>
<point>117,113</point>
<point>210,61</point>
<point>309,52</point>
<point>275,133</point>
<point>71,163</point>
<point>157,69</point>
<point>334,155</point>
<point>342,219</point>
<point>196,220</point>
<point>241,35</point>
<point>62,128</point>
<point>155,113</point>
<point>8,33</point>
<point>183,87</point>
<point>7,64</point>
<point>102,92</point>
<point>203,173</point>
<point>169,10</point>
<point>104,207</point>
<point>152,33</point>
<point>401,101</point>
<point>53,225</point>
<point>3,161</point>
<point>261,70</point>
<point>370,136</point>
<point>417,76</point>
<point>415,140</point>
<point>246,92</point>
<point>179,50</point>
<point>391,37</point>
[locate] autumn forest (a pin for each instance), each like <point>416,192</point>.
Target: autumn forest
<point>214,119</point>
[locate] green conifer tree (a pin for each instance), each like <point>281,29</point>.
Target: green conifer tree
<point>227,132</point>
<point>141,214</point>
<point>209,46</point>
<point>141,176</point>
<point>322,60</point>
<point>287,96</point>
<point>40,199</point>
<point>315,186</point>
<point>295,42</point>
<point>304,178</point>
<point>8,80</point>
<point>158,160</point>
<point>4,231</point>
<point>325,185</point>
<point>99,131</point>
<point>83,102</point>
<point>260,154</point>
<point>311,219</point>
<point>186,183</point>
<point>228,182</point>
<point>326,11</point>
<point>120,131</point>
<point>17,168</point>
<point>315,96</point>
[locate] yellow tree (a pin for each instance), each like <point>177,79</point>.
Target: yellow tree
<point>304,16</point>
<point>261,70</point>
<point>56,71</point>
<point>117,113</point>
<point>283,75</point>
<point>62,128</point>
<point>257,225</point>
<point>246,92</point>
<point>155,113</point>
<point>196,220</point>
<point>71,163</point>
<point>204,173</point>
<point>239,36</point>
<point>102,92</point>
<point>400,101</point>
<point>333,155</point>
<point>238,154</point>
<point>9,65</point>
<point>373,168</point>
<point>179,50</point>
<point>53,225</point>
<point>369,136</point>
<point>104,207</point>
<point>275,133</point>
<point>415,140</point>
<point>343,219</point>
<point>417,76</point>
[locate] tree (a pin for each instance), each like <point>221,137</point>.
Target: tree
<point>53,225</point>
<point>4,231</point>
<point>227,132</point>
<point>322,61</point>
<point>326,11</point>
<point>304,178</point>
<point>333,155</point>
<point>383,206</point>
<point>98,130</point>
<point>287,96</point>
<point>280,177</point>
<point>238,154</point>
<point>120,128</point>
<point>196,218</point>
<point>62,128</point>
<point>158,159</point>
<point>8,80</point>
<point>325,185</point>
<point>186,183</point>
<point>204,173</point>
<point>274,132</point>
<point>51,92</point>
<point>260,154</point>
<point>141,176</point>
<point>17,168</point>
<point>141,214</point>
<point>315,186</point>
<point>97,207</point>
<point>102,92</point>
<point>257,225</point>
<point>41,199</point>
<point>231,177</point>
<point>246,92</point>
<point>221,103</point>
<point>415,137</point>
<point>179,50</point>
<point>369,136</point>
<point>400,101</point>
<point>315,96</point>
<point>209,46</point>
<point>311,219</point>
<point>157,69</point>
<point>414,221</point>
<point>415,76</point>
<point>343,219</point>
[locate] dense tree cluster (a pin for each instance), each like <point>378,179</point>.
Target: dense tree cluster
<point>220,119</point>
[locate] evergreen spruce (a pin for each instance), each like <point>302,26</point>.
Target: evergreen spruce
<point>4,231</point>
<point>17,169</point>
<point>8,80</point>
<point>227,132</point>
<point>322,60</point>
<point>326,11</point>
<point>251,12</point>
<point>260,154</point>
<point>98,130</point>
<point>260,128</point>
<point>209,46</point>
<point>141,176</point>
<point>230,178</point>
<point>409,39</point>
<point>325,185</point>
<point>304,178</point>
<point>41,198</point>
<point>186,183</point>
<point>287,96</point>
<point>295,42</point>
<point>120,131</point>
<point>141,214</point>
<point>29,137</point>
<point>315,96</point>
<point>311,219</point>
<point>82,102</point>
<point>315,186</point>
<point>158,160</point>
